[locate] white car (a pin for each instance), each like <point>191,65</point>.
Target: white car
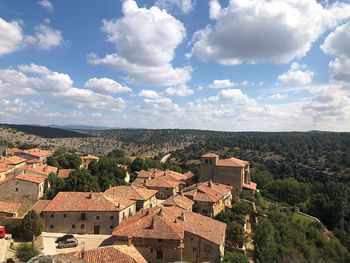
<point>70,242</point>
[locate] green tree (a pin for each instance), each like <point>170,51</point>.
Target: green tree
<point>116,153</point>
<point>266,247</point>
<point>56,185</point>
<point>25,252</point>
<point>235,236</point>
<point>235,257</point>
<point>31,225</point>
<point>81,181</point>
<point>137,165</point>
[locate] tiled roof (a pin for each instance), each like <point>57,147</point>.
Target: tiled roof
<point>179,200</point>
<point>39,206</point>
<point>64,173</point>
<point>82,201</point>
<point>207,191</point>
<point>38,152</point>
<point>31,178</point>
<point>111,254</point>
<point>171,223</point>
<point>12,151</point>
<point>162,183</point>
<point>210,155</point>
<point>232,162</point>
<point>89,157</point>
<point>157,173</point>
<point>12,160</point>
<point>8,207</point>
<point>43,169</point>
<point>251,186</point>
<point>131,192</point>
<point>5,168</point>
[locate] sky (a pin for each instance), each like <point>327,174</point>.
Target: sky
<point>231,65</point>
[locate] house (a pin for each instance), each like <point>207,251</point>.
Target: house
<point>39,207</point>
<point>111,254</point>
<point>179,200</point>
<point>209,198</point>
<point>171,234</point>
<point>64,173</point>
<point>22,186</point>
<point>9,209</point>
<point>145,175</point>
<point>165,188</point>
<point>5,171</point>
<point>86,160</point>
<point>231,171</point>
<point>86,213</point>
<point>40,169</point>
<point>145,198</point>
<point>13,161</point>
<point>33,154</point>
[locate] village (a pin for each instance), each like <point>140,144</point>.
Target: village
<point>155,215</point>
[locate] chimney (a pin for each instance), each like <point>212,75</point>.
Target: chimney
<point>129,241</point>
<point>118,205</point>
<point>182,193</point>
<point>161,212</point>
<point>210,183</point>
<point>182,217</point>
<point>82,254</point>
<point>33,165</point>
<point>152,224</point>
<point>90,195</point>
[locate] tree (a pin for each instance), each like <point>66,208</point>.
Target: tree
<point>116,153</point>
<point>265,243</point>
<point>234,257</point>
<point>137,165</point>
<point>25,252</point>
<point>56,185</point>
<point>235,236</point>
<point>31,225</point>
<point>64,159</point>
<point>81,181</point>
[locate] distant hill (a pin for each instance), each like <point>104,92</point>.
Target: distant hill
<point>81,127</point>
<point>46,132</point>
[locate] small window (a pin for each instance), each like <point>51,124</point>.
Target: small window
<point>82,226</point>
<point>206,161</point>
<point>159,240</point>
<point>73,226</point>
<point>159,254</point>
<point>111,217</point>
<point>210,161</point>
<point>110,227</point>
<point>83,216</point>
<point>51,226</point>
<point>98,217</point>
<point>16,189</point>
<point>52,215</point>
<point>64,215</point>
<point>151,250</point>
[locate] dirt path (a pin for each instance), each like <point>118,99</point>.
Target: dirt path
<point>165,158</point>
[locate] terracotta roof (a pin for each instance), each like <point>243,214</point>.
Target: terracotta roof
<point>111,254</point>
<point>31,178</point>
<point>171,223</point>
<point>179,200</point>
<point>162,183</point>
<point>157,173</point>
<point>43,169</point>
<point>251,186</point>
<point>210,155</point>
<point>64,173</point>
<point>38,152</point>
<point>82,201</point>
<point>10,208</point>
<point>131,192</point>
<point>12,151</point>
<point>90,157</point>
<point>207,191</point>
<point>12,160</point>
<point>5,168</point>
<point>40,205</point>
<point>232,162</point>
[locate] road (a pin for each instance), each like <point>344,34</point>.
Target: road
<point>84,241</point>
<point>165,158</point>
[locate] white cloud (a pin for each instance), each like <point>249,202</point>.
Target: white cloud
<point>259,31</point>
<point>278,96</point>
<point>296,75</point>
<point>180,91</point>
<point>46,4</point>
<point>146,57</point>
<point>105,86</point>
<point>222,83</point>
<point>337,44</point>
<point>185,6</point>
<point>149,94</point>
<point>46,37</point>
<point>11,36</point>
<point>57,87</point>
<point>214,9</point>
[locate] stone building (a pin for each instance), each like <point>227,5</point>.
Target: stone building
<point>145,198</point>
<point>86,213</point>
<point>165,188</point>
<point>209,198</point>
<point>30,154</point>
<point>86,160</point>
<point>172,234</point>
<point>9,209</point>
<point>231,171</point>
<point>179,200</point>
<point>22,186</point>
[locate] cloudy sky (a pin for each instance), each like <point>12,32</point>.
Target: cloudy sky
<point>236,65</point>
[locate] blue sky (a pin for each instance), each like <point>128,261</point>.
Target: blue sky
<point>270,65</point>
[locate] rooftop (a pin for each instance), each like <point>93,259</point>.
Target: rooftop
<point>40,169</point>
<point>38,152</point>
<point>232,162</point>
<point>210,155</point>
<point>171,223</point>
<point>9,207</point>
<point>90,157</point>
<point>179,200</point>
<point>207,191</point>
<point>12,160</point>
<point>131,192</point>
<point>64,173</point>
<point>162,183</point>
<point>82,201</point>
<point>39,206</point>
<point>30,178</point>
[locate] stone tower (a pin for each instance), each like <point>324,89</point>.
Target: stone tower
<point>208,163</point>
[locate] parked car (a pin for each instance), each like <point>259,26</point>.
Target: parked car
<point>63,238</point>
<point>2,232</point>
<point>70,242</point>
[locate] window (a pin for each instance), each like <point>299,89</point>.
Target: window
<point>64,215</point>
<point>16,189</point>
<point>206,161</point>
<point>159,254</point>
<point>83,216</point>
<point>210,161</point>
<point>52,215</point>
<point>51,226</point>
<point>82,226</point>
<point>98,217</point>
<point>194,249</point>
<point>159,240</point>
<point>73,226</point>
<point>151,250</point>
<point>111,217</point>
<point>110,227</point>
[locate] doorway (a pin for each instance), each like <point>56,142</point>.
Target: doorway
<point>96,230</point>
